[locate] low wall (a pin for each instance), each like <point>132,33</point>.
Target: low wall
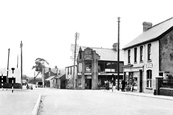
<point>166,91</point>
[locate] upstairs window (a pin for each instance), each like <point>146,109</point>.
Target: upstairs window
<point>129,56</point>
<point>135,55</point>
<point>149,52</point>
<point>141,54</point>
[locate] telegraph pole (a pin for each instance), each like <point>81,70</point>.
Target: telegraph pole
<point>8,65</point>
<point>118,49</point>
<point>21,45</point>
<point>76,37</point>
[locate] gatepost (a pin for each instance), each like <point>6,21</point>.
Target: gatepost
<point>159,81</point>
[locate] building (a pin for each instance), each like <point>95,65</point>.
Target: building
<point>50,73</point>
<point>59,81</point>
<point>69,73</point>
<point>95,66</point>
<point>150,55</point>
<point>16,76</point>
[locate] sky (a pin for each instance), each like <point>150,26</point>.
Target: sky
<point>47,27</point>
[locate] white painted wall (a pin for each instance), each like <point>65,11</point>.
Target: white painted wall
<point>154,62</point>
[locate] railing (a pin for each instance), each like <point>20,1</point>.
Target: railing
<point>167,83</point>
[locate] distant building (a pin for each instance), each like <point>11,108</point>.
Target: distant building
<point>150,55</point>
<point>16,76</point>
<point>59,81</point>
<point>69,73</point>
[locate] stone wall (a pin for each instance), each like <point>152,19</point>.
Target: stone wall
<point>166,91</point>
<point>166,52</point>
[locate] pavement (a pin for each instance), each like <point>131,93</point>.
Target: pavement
<point>20,102</point>
<point>149,95</point>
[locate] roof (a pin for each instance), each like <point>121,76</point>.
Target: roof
<point>54,70</point>
<point>105,53</point>
<point>51,77</point>
<point>59,76</point>
<point>152,33</point>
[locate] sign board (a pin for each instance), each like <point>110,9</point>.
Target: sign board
<point>149,65</point>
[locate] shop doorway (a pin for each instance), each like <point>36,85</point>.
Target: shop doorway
<point>88,83</point>
<point>140,81</point>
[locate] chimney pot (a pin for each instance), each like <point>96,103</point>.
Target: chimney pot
<point>146,26</point>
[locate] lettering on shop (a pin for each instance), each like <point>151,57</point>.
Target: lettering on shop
<point>149,65</point>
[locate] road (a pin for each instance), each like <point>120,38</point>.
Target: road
<point>100,102</point>
<point>20,102</point>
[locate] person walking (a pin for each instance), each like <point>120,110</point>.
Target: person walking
<point>123,85</point>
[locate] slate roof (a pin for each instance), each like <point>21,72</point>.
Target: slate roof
<point>60,76</point>
<point>152,33</point>
<point>49,78</point>
<point>106,54</point>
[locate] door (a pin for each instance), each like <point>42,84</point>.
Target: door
<point>88,83</point>
<point>140,81</point>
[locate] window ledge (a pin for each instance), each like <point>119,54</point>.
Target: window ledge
<point>141,61</point>
<point>149,88</point>
<point>149,60</point>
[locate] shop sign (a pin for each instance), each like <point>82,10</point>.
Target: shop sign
<point>109,70</point>
<point>87,73</point>
<point>88,77</point>
<point>149,65</point>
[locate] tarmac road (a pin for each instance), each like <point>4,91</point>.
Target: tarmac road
<point>101,102</point>
<point>20,102</point>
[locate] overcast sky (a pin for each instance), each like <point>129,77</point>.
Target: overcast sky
<point>47,27</point>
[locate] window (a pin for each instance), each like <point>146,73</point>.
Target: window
<point>88,66</point>
<point>68,70</point>
<point>135,55</point>
<point>149,52</point>
<point>141,54</point>
<point>129,56</point>
<point>149,78</point>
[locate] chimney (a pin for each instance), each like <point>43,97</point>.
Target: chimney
<point>115,46</point>
<point>146,26</point>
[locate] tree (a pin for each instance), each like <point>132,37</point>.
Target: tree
<point>40,65</point>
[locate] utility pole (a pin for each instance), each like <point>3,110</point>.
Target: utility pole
<point>8,64</point>
<point>76,37</point>
<point>118,49</point>
<point>21,45</point>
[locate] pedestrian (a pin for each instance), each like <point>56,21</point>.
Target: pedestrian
<point>123,85</point>
<point>132,86</point>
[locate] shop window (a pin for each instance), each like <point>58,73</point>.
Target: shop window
<point>101,67</point>
<point>149,78</point>
<point>68,71</point>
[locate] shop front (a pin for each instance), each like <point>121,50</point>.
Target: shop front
<point>133,77</point>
